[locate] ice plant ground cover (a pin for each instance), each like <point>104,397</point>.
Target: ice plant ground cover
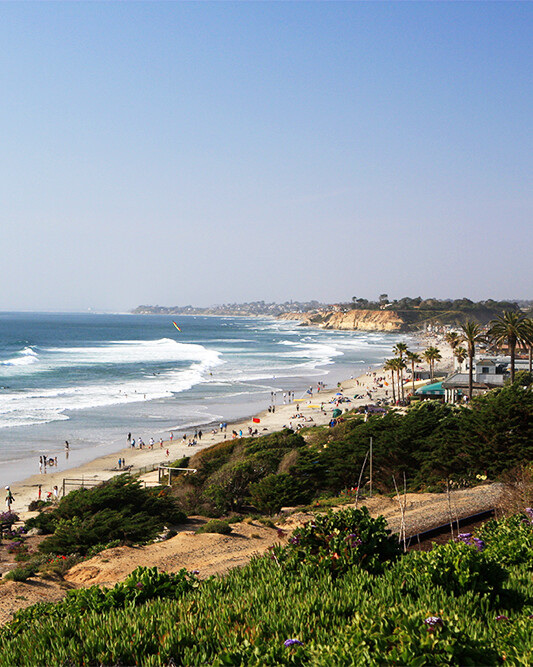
<point>454,605</point>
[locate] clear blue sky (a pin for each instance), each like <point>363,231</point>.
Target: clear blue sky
<point>201,153</point>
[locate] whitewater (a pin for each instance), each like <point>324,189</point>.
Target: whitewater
<point>92,378</point>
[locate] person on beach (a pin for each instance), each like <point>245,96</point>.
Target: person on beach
<point>120,464</point>
<point>171,436</point>
<point>39,492</point>
<point>129,438</point>
<point>9,498</point>
<point>67,446</point>
<point>160,443</point>
<point>55,491</point>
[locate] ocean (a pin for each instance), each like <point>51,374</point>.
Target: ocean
<point>93,378</point>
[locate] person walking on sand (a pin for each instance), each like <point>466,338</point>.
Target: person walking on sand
<point>9,498</point>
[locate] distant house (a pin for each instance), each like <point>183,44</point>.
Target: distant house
<point>489,373</point>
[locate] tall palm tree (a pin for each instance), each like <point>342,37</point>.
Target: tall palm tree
<point>513,329</point>
<point>399,350</point>
<point>471,334</point>
<point>460,354</point>
<point>390,366</point>
<point>414,358</point>
<point>431,355</point>
<point>529,321</point>
<point>453,339</point>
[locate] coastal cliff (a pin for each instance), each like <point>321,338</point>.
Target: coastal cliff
<point>352,320</point>
<point>389,319</point>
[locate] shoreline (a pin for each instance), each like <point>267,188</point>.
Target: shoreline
<point>105,467</point>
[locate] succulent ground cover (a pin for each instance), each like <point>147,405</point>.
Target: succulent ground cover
<point>467,602</point>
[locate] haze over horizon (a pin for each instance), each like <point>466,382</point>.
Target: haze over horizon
<point>206,153</point>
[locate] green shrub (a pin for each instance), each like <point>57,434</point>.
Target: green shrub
<point>509,541</point>
<point>120,509</point>
<point>338,541</point>
<point>215,526</point>
<point>20,573</point>
<point>273,492</point>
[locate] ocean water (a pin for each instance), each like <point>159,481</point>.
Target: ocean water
<point>92,378</point>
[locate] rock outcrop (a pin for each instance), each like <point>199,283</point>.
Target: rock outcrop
<point>352,320</point>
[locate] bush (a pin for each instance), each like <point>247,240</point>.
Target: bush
<point>120,509</point>
<point>215,526</point>
<point>20,573</point>
<point>509,541</point>
<point>273,492</point>
<point>338,541</point>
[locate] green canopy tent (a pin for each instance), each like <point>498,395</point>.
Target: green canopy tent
<point>436,389</point>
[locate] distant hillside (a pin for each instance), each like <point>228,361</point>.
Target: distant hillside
<point>390,320</point>
<point>250,309</point>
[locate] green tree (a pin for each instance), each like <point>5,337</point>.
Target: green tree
<point>399,350</point>
<point>511,328</point>
<point>471,334</point>
<point>413,358</point>
<point>431,355</point>
<point>460,354</point>
<point>390,366</point>
<point>453,339</point>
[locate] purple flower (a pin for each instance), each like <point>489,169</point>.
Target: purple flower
<point>295,540</point>
<point>281,532</point>
<point>479,544</point>
<point>195,571</point>
<point>433,622</point>
<point>292,642</point>
<point>465,536</point>
<point>139,584</point>
<point>502,618</point>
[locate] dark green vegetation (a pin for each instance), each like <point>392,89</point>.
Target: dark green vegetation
<point>469,602</point>
<point>120,509</point>
<point>432,444</point>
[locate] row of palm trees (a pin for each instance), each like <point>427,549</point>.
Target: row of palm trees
<point>512,329</point>
<point>397,364</point>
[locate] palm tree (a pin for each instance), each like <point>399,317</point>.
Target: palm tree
<point>453,339</point>
<point>431,355</point>
<point>414,358</point>
<point>460,354</point>
<point>530,344</point>
<point>513,329</point>
<point>389,365</point>
<point>399,350</point>
<point>471,334</point>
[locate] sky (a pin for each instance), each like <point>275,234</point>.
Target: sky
<point>202,153</point>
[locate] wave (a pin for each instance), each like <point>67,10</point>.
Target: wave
<point>26,357</point>
<point>111,353</point>
<point>43,405</point>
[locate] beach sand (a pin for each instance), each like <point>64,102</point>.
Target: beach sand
<point>105,467</point>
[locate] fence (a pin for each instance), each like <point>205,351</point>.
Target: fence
<point>169,472</point>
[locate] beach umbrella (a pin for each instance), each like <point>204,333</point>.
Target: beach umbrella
<point>336,413</point>
<point>338,394</point>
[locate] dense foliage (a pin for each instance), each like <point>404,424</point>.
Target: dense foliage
<point>453,605</point>
<point>120,509</point>
<point>431,445</point>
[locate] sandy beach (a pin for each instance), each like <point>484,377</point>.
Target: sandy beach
<point>315,409</point>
